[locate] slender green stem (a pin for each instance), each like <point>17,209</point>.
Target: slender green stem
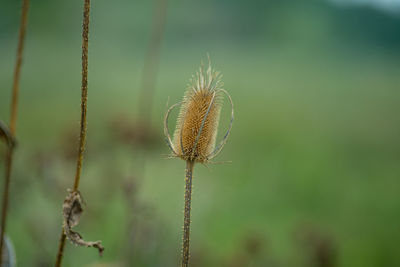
<point>13,121</point>
<point>82,136</point>
<point>186,220</point>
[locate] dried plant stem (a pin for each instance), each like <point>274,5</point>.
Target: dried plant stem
<point>17,70</point>
<point>151,60</point>
<point>61,246</point>
<point>13,120</point>
<point>186,220</point>
<point>82,136</point>
<point>5,197</point>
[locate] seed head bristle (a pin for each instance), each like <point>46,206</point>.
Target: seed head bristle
<point>196,129</point>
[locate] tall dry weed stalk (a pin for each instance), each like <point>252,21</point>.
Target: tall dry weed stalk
<point>10,134</point>
<point>195,134</point>
<point>72,207</point>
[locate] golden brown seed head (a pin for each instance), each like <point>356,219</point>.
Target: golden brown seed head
<point>196,129</point>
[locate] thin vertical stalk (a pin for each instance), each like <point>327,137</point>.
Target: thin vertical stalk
<point>151,60</point>
<point>186,220</point>
<point>6,192</point>
<point>61,246</point>
<point>83,123</point>
<point>13,121</point>
<point>17,70</point>
<point>85,48</point>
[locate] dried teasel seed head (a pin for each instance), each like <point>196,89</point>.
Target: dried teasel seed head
<point>197,124</point>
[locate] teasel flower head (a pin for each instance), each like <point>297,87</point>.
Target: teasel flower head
<point>197,125</point>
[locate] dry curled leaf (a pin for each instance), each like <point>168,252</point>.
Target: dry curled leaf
<point>6,134</point>
<point>72,211</point>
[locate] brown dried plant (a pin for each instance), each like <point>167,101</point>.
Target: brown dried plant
<point>72,207</point>
<point>9,135</point>
<point>72,211</point>
<point>196,132</point>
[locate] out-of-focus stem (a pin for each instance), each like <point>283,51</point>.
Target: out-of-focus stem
<point>13,121</point>
<point>151,60</point>
<point>17,70</point>
<point>5,197</point>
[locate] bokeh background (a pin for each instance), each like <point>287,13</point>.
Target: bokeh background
<point>310,174</point>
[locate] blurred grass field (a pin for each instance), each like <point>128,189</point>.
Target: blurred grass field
<point>314,148</point>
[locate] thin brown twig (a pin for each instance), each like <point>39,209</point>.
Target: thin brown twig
<point>82,136</point>
<point>186,220</point>
<point>17,70</point>
<point>61,246</point>
<point>6,192</point>
<point>13,121</point>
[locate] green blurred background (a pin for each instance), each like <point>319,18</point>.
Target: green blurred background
<point>310,174</point>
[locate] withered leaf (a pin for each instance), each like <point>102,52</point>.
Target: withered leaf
<point>6,134</point>
<point>72,211</point>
